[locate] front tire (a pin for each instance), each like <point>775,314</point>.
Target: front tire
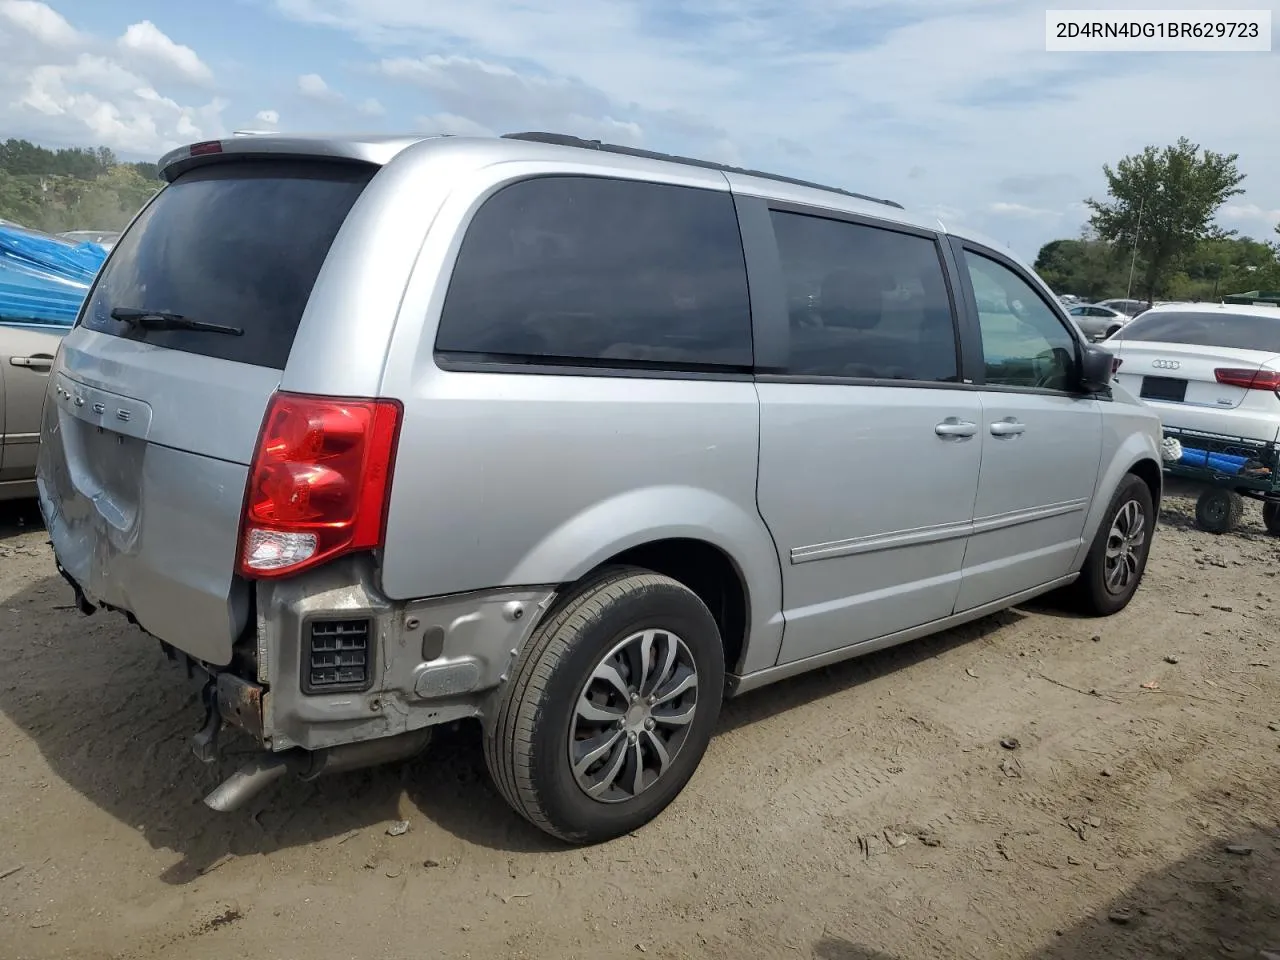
<point>1117,559</point>
<point>609,708</point>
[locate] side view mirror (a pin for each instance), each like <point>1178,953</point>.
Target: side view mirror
<point>1096,366</point>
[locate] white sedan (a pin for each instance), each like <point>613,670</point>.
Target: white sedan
<point>1209,367</point>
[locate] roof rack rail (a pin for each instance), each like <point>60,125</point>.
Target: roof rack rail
<point>564,140</point>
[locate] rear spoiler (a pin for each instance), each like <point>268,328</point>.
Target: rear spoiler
<point>374,150</point>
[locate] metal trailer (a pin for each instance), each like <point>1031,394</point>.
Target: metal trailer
<point>1228,469</point>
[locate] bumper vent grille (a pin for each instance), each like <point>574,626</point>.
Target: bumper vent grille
<point>338,656</point>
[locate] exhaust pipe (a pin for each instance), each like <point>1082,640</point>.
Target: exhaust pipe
<point>247,782</point>
<point>264,770</point>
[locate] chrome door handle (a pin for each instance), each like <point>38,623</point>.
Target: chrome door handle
<point>37,362</point>
<point>1007,428</point>
<point>955,427</point>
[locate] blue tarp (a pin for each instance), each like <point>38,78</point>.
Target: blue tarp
<point>44,279</point>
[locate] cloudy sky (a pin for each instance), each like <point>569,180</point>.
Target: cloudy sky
<point>950,106</point>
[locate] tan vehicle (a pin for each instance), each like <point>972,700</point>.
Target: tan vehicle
<point>26,355</point>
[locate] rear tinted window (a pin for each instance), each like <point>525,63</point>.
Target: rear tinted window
<point>864,302</point>
<point>236,243</point>
<point>1236,330</point>
<point>599,271</point>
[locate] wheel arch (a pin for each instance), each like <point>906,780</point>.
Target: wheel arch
<point>711,574</point>
<point>1136,454</point>
<point>1152,474</point>
<point>711,544</point>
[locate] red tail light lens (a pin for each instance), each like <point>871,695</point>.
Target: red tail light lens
<point>205,148</point>
<point>319,482</point>
<point>1115,364</point>
<point>1249,379</point>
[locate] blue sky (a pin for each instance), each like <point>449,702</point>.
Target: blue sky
<point>948,106</point>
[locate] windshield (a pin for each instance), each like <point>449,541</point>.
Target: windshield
<point>234,243</point>
<point>1240,331</point>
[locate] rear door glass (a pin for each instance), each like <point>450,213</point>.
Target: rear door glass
<point>238,243</point>
<point>601,272</point>
<point>1240,331</point>
<point>864,302</point>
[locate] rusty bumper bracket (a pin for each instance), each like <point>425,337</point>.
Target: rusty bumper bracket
<point>240,703</point>
<point>227,700</point>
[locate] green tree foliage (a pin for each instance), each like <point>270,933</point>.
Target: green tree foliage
<point>70,189</point>
<point>1088,267</point>
<point>1217,267</point>
<point>1165,201</point>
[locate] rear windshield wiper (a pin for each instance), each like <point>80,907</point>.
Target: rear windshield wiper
<point>159,320</point>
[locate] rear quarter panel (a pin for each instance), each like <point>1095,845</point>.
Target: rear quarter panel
<point>517,479</point>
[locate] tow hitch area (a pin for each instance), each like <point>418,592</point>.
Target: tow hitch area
<point>227,699</point>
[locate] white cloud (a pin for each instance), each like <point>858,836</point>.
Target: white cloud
<point>930,102</point>
<point>59,85</point>
<point>146,42</point>
<point>114,107</point>
<point>41,21</point>
<point>1020,211</point>
<point>1249,213</point>
<point>313,87</point>
<point>452,125</point>
<point>269,117</point>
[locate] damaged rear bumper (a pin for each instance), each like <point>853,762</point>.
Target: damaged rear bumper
<point>425,663</point>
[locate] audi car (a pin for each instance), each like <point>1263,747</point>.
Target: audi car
<point>1210,367</point>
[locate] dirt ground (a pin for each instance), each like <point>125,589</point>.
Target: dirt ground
<point>867,812</point>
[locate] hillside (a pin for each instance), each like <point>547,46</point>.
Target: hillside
<point>70,189</point>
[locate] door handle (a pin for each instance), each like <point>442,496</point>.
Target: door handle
<point>1008,427</point>
<point>40,361</point>
<point>955,427</point>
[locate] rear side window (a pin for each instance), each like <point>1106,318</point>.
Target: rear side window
<point>864,302</point>
<point>239,243</point>
<point>601,272</point>
<point>1239,331</point>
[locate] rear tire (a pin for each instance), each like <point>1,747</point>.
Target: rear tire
<point>1271,517</point>
<point>1219,510</point>
<point>1117,559</point>
<point>595,680</point>
<point>1110,333</point>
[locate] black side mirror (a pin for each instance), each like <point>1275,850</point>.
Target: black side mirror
<point>1096,367</point>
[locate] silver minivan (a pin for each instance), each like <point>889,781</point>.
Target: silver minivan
<point>376,435</point>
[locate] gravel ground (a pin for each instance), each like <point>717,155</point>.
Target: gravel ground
<point>865,812</point>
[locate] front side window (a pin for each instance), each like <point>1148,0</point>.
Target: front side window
<point>864,302</point>
<point>603,272</point>
<point>1024,344</point>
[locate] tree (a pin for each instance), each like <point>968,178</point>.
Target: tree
<point>1164,201</point>
<point>1087,267</point>
<point>68,189</point>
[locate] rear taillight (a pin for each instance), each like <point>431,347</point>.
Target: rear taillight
<point>1115,364</point>
<point>319,482</point>
<point>1249,379</point>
